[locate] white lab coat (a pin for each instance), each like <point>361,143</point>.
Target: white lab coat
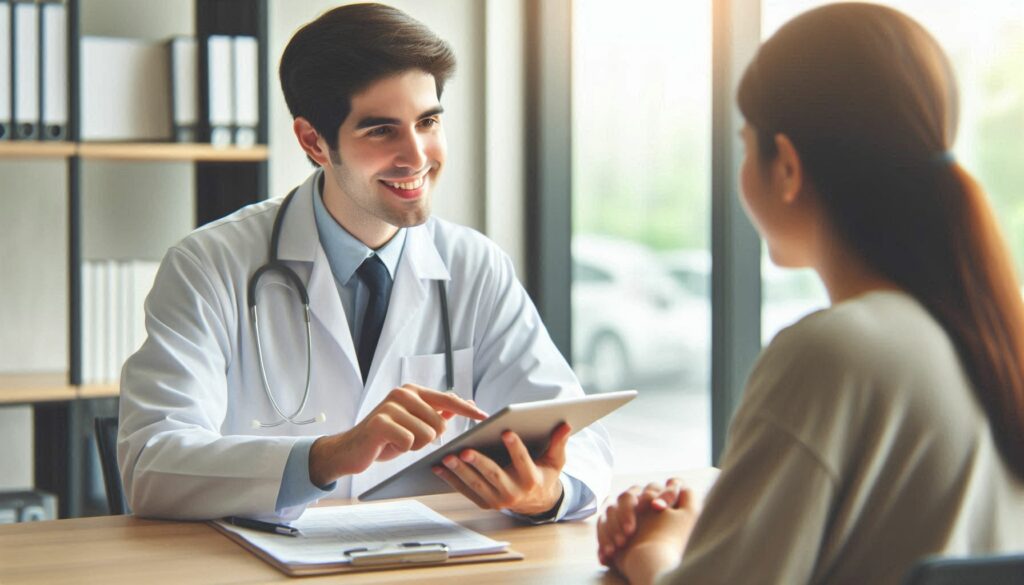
<point>186,445</point>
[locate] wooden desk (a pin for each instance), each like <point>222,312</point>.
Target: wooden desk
<point>122,549</point>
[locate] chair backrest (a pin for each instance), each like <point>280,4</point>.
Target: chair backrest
<point>987,570</point>
<point>106,443</point>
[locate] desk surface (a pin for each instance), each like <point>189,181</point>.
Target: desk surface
<point>122,549</point>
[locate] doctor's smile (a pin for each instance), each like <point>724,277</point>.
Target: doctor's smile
<point>409,188</point>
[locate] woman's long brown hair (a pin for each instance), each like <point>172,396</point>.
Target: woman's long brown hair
<point>868,99</point>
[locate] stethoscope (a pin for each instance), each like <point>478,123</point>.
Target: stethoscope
<point>275,265</point>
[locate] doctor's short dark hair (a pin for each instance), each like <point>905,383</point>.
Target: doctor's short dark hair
<point>346,50</point>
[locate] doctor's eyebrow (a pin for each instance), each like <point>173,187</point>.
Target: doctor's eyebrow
<point>372,121</point>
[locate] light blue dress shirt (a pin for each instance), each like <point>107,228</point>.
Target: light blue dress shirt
<point>345,254</point>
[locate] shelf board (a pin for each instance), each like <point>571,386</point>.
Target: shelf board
<point>131,151</point>
<point>169,151</point>
<point>28,388</point>
<point>99,391</point>
<point>15,149</point>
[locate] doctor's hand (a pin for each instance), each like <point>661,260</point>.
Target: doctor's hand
<point>408,419</point>
<point>527,486</point>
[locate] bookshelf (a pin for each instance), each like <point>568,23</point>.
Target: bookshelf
<point>224,179</point>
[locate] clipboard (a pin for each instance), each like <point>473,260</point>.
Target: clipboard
<point>350,558</point>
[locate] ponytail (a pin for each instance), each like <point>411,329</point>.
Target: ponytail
<point>984,315</point>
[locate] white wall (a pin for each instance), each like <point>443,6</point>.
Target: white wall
<point>135,210</point>
<point>505,99</point>
<point>33,265</point>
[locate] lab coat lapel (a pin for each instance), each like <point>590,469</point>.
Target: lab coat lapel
<point>300,242</point>
<point>325,304</point>
<point>420,266</point>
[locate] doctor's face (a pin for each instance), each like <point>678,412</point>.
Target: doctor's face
<point>391,149</point>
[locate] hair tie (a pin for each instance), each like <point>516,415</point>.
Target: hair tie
<point>943,158</point>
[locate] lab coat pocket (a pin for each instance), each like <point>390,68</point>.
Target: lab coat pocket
<point>429,371</point>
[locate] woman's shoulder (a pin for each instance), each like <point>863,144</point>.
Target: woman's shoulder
<point>877,329</point>
<point>852,357</point>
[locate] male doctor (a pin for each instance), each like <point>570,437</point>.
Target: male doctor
<point>227,412</point>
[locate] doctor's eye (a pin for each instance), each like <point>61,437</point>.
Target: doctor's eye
<point>430,122</point>
<point>380,131</point>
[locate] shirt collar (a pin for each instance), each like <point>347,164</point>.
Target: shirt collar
<point>345,253</point>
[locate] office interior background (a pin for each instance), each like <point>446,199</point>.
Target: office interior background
<point>595,141</point>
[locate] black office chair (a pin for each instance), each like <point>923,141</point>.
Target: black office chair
<point>106,444</point>
<point>1007,569</point>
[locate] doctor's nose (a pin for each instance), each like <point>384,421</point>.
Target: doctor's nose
<point>412,152</point>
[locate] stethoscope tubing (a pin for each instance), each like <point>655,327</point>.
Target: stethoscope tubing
<point>266,383</point>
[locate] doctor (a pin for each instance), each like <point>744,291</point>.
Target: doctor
<point>414,327</point>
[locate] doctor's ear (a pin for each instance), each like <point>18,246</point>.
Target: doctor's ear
<point>311,142</point>
<point>787,169</point>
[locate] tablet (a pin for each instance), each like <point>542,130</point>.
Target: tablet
<point>532,421</point>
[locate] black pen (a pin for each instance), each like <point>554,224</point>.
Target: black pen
<point>262,526</point>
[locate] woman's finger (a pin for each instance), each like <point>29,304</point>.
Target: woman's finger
<point>669,495</point>
<point>627,503</point>
<point>605,542</point>
<point>614,530</point>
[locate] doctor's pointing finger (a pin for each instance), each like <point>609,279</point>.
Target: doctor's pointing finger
<point>410,418</point>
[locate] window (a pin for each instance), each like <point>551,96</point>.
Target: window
<point>641,127</point>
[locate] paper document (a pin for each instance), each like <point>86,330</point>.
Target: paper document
<point>327,533</point>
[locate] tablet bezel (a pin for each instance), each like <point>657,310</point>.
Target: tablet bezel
<point>533,421</point>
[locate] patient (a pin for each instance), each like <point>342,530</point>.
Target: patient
<point>890,426</point>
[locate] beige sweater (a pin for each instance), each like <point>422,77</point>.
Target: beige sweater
<point>859,448</point>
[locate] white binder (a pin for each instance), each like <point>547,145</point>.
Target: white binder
<point>110,327</point>
<point>124,89</point>
<point>143,274</point>
<point>54,44</point>
<point>26,70</point>
<point>101,316</point>
<point>247,115</point>
<point>88,322</point>
<point>122,337</point>
<point>6,81</point>
<point>184,61</point>
<point>219,73</point>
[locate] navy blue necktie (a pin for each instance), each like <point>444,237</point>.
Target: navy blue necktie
<point>375,276</point>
